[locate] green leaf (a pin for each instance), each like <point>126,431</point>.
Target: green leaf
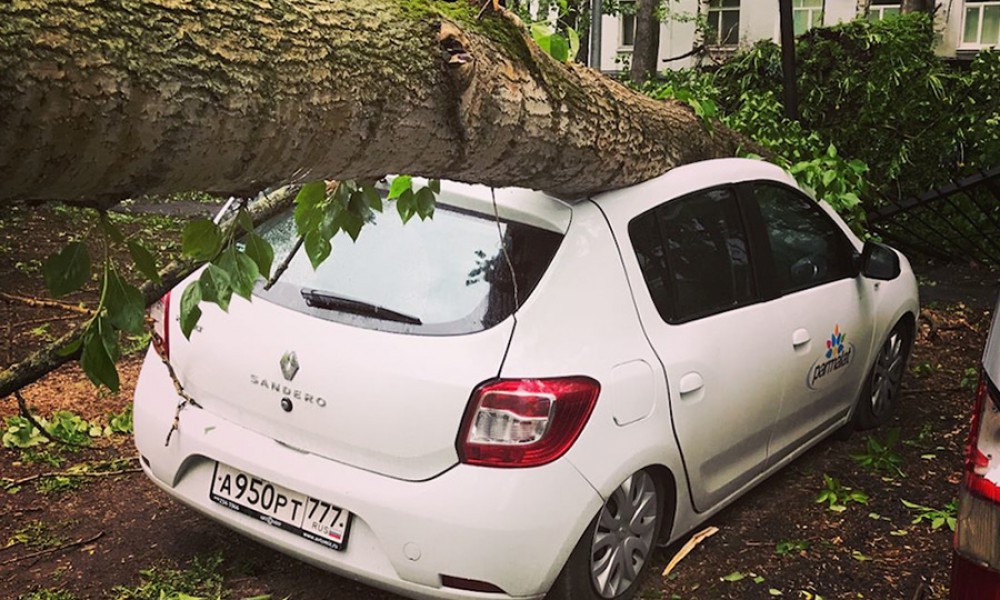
<point>349,222</point>
<point>201,239</point>
<point>425,203</point>
<point>70,348</point>
<point>401,184</point>
<point>435,185</point>
<point>372,197</point>
<point>144,261</point>
<point>216,286</point>
<point>734,576</point>
<point>97,359</point>
<point>242,271</point>
<point>244,220</point>
<point>190,313</point>
<point>125,304</point>
<point>317,248</point>
<point>309,206</point>
<point>774,592</point>
<point>110,229</point>
<point>406,204</point>
<point>559,47</point>
<point>542,32</point>
<point>260,252</point>
<point>574,42</point>
<point>68,270</point>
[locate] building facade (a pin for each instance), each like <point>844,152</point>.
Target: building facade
<point>964,27</point>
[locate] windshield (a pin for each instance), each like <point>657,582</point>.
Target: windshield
<point>446,275</point>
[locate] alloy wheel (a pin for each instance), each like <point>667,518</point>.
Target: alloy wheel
<point>887,374</point>
<point>624,536</point>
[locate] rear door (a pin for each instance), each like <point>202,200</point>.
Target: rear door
<point>699,303</point>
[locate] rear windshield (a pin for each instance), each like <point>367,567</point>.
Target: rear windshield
<point>446,275</point>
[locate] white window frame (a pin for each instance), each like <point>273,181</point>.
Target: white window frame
<point>978,43</point>
<point>716,13</point>
<point>810,11</point>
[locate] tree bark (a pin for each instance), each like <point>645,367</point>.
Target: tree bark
<point>102,100</point>
<point>646,47</point>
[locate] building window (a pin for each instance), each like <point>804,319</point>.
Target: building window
<point>723,23</point>
<point>626,24</point>
<point>806,14</point>
<point>882,9</point>
<point>982,23</point>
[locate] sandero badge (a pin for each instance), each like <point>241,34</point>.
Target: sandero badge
<point>837,356</point>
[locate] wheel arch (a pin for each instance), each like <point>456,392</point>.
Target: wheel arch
<point>668,503</point>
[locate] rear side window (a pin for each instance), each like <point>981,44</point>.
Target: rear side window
<point>694,255</point>
<point>808,248</point>
<point>446,275</point>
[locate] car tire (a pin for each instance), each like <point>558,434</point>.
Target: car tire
<point>879,394</point>
<point>613,554</point>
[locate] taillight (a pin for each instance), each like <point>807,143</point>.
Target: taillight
<point>977,528</point>
<point>525,422</point>
<point>159,313</point>
<point>982,452</point>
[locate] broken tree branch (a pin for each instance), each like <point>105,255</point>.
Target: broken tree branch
<point>44,303</point>
<point>40,553</point>
<point>49,358</point>
<point>688,547</point>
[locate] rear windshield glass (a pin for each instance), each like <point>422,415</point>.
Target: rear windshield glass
<point>445,275</point>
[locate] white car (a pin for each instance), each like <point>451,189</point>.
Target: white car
<point>479,406</point>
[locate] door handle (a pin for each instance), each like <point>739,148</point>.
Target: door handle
<point>799,337</point>
<point>691,382</point>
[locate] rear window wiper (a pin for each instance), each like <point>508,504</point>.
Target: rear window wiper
<point>328,301</point>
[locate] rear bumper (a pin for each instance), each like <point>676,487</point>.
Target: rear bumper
<point>513,528</point>
<point>971,581</point>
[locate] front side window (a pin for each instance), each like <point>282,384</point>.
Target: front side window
<point>723,23</point>
<point>807,247</point>
<point>806,14</point>
<point>982,23</point>
<point>694,255</point>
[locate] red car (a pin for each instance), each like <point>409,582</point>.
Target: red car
<point>976,562</point>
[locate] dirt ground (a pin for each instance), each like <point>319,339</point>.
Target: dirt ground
<point>777,541</point>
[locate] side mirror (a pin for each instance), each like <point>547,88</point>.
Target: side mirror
<point>879,261</point>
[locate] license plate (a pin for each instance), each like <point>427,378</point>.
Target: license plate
<point>313,519</point>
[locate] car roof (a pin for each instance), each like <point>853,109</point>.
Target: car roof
<point>517,204</point>
<point>698,176</point>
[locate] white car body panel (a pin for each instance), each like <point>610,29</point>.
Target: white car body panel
<point>399,422</point>
<point>387,450</point>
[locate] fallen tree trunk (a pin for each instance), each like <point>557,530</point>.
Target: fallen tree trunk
<point>50,358</point>
<point>102,100</point>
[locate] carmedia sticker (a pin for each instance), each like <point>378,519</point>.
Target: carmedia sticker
<point>836,357</point>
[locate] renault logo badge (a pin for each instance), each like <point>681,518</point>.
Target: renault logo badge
<point>289,365</point>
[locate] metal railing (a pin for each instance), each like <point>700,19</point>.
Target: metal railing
<point>959,222</point>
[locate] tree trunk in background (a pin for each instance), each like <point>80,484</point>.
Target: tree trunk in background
<point>102,100</point>
<point>646,47</point>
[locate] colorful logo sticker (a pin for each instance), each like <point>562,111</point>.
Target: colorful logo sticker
<point>837,356</point>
